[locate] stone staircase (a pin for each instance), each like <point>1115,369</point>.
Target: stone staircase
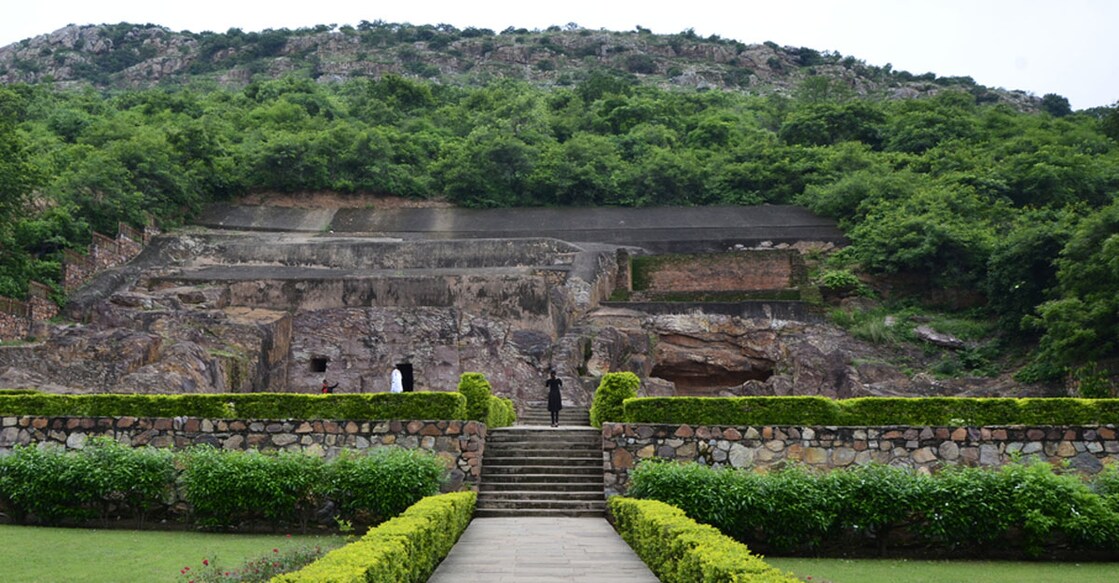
<point>539,470</point>
<point>537,414</point>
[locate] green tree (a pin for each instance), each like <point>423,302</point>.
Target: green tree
<point>1055,105</point>
<point>18,174</point>
<point>1082,325</point>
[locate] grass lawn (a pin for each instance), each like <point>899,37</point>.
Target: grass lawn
<point>905,571</point>
<point>56,555</point>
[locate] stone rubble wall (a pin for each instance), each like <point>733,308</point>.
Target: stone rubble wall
<point>1084,448</point>
<point>755,271</point>
<point>460,443</point>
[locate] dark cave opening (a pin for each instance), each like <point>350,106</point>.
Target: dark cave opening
<point>698,379</point>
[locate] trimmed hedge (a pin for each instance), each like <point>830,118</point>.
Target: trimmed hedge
<point>405,549</point>
<point>482,405</point>
<point>242,405</point>
<point>870,411</point>
<point>678,549</point>
<point>501,412</point>
<point>612,391</point>
<point>1027,509</point>
<point>476,389</point>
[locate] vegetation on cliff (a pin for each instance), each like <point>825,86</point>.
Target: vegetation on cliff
<point>959,189</point>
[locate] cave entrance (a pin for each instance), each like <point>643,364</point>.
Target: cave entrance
<point>702,379</point>
<point>407,378</point>
<point>318,363</point>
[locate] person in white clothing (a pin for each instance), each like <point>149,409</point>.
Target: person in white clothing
<point>397,381</point>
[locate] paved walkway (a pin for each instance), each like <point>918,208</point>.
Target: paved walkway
<point>530,550</point>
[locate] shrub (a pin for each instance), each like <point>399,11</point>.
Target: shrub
<point>1025,507</point>
<point>53,484</point>
<point>873,411</point>
<point>500,413</point>
<point>612,391</point>
<point>677,549</point>
<point>476,389</point>
<point>226,488</point>
<point>251,405</point>
<point>378,485</point>
<point>733,410</point>
<point>404,549</point>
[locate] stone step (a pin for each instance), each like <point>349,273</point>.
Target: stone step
<point>513,459</point>
<point>583,440</point>
<point>541,477</point>
<point>503,470</point>
<point>499,486</point>
<point>537,419</point>
<point>530,445</point>
<point>537,495</point>
<point>542,504</point>
<point>538,513</point>
<point>545,431</point>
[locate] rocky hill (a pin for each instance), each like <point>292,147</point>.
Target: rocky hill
<point>131,56</point>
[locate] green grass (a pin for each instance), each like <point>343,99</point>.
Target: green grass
<point>905,571</point>
<point>57,555</point>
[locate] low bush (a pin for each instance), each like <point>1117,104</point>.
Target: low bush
<point>612,391</point>
<point>732,410</point>
<point>103,478</point>
<point>871,411</point>
<point>405,549</point>
<point>677,549</point>
<point>226,488</point>
<point>372,487</point>
<point>476,389</point>
<point>223,489</point>
<point>501,412</point>
<point>242,405</point>
<point>1027,509</point>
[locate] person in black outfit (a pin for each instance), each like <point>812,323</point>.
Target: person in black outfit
<point>555,401</point>
<point>327,389</point>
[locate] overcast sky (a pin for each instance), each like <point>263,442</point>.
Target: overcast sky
<point>1069,47</point>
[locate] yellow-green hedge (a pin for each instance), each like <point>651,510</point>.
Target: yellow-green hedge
<point>405,549</point>
<point>869,411</point>
<point>678,549</point>
<point>501,412</point>
<point>242,405</point>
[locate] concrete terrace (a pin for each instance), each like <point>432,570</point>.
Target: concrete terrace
<point>658,229</point>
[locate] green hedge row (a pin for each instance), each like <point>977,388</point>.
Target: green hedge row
<point>1023,509</point>
<point>501,412</point>
<point>405,549</point>
<point>222,488</point>
<point>612,391</point>
<point>242,405</point>
<point>482,405</point>
<point>677,549</point>
<point>872,411</point>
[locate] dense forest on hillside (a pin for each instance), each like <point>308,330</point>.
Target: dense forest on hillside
<point>1021,206</point>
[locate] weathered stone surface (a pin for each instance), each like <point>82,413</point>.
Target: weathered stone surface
<point>926,455</point>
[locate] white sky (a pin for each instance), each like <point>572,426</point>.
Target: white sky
<point>1069,47</point>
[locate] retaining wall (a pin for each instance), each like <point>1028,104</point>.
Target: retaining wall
<point>1083,448</point>
<point>461,443</point>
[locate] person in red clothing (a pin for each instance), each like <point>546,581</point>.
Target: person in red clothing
<point>327,389</point>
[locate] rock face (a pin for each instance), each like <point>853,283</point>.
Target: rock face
<point>127,55</point>
<point>221,312</point>
<point>216,313</point>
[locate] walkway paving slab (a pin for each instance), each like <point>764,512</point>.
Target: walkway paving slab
<point>534,549</point>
